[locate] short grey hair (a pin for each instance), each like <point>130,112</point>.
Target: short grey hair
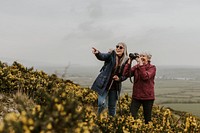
<point>149,56</point>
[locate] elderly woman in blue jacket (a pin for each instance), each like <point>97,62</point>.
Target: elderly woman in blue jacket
<point>108,82</point>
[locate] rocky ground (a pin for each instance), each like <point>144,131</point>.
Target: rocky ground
<point>14,103</point>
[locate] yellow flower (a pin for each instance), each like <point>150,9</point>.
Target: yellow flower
<point>139,121</point>
<point>56,100</point>
<point>1,126</point>
<point>23,113</point>
<point>33,111</point>
<point>31,128</point>
<point>38,107</point>
<point>78,130</point>
<point>134,126</point>
<point>63,94</point>
<point>11,117</point>
<point>30,121</point>
<point>49,126</point>
<point>25,128</point>
<point>59,107</point>
<point>185,130</point>
<point>63,113</point>
<point>24,119</point>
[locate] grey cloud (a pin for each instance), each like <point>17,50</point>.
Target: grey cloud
<point>95,9</point>
<point>89,30</point>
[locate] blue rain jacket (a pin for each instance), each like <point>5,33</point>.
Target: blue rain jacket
<point>100,84</point>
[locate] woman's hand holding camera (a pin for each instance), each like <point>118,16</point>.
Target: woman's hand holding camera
<point>139,61</point>
<point>131,59</point>
<point>133,56</point>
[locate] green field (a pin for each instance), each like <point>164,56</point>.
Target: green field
<point>192,108</point>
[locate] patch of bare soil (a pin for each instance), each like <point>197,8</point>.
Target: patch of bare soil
<point>7,105</point>
<point>14,103</point>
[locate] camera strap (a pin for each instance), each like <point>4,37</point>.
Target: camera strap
<point>130,73</point>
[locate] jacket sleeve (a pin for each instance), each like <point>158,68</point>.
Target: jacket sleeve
<point>127,72</point>
<point>103,56</point>
<point>147,74</point>
<point>122,78</point>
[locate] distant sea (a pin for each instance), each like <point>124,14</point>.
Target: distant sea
<point>175,87</point>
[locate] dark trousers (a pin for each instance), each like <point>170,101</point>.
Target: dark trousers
<point>147,108</point>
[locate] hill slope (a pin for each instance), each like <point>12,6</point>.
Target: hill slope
<point>33,101</point>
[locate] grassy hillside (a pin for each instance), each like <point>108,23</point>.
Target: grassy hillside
<point>34,102</point>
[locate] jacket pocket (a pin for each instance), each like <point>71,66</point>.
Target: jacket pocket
<point>101,81</point>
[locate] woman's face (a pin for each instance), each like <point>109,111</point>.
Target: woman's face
<point>119,49</point>
<point>144,58</point>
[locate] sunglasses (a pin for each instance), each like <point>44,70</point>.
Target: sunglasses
<point>120,47</point>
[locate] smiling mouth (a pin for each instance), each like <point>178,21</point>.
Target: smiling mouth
<point>119,51</point>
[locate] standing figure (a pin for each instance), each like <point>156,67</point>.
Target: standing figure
<point>143,87</point>
<point>108,82</point>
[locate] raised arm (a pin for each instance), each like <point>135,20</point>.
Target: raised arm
<point>147,74</point>
<point>127,68</point>
<point>101,56</point>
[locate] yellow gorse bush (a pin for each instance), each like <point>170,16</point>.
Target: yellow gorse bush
<point>62,106</point>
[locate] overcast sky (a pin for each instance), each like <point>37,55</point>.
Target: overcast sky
<point>59,32</point>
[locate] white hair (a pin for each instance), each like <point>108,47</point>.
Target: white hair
<point>125,54</point>
<point>149,56</point>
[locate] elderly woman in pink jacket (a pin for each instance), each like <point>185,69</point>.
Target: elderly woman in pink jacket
<point>143,87</point>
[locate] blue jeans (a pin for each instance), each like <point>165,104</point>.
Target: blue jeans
<point>108,99</point>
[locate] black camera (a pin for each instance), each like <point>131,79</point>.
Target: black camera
<point>133,56</point>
